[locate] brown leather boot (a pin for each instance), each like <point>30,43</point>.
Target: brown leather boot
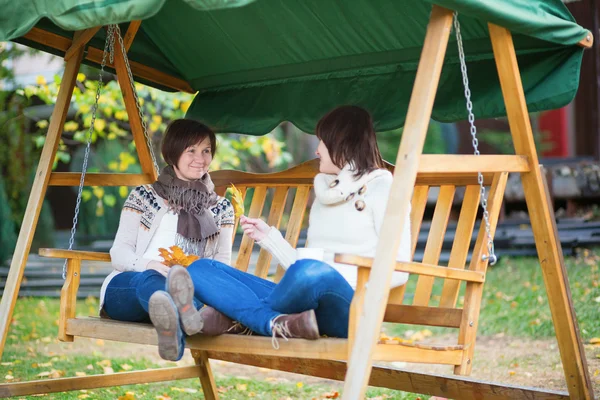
<point>302,325</point>
<point>216,323</point>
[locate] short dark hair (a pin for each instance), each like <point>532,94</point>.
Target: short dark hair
<point>183,133</point>
<point>349,136</point>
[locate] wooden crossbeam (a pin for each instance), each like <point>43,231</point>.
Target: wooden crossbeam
<point>98,179</point>
<point>452,387</point>
<point>97,381</point>
<point>95,55</point>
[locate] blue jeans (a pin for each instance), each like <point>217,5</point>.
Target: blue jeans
<point>128,293</point>
<point>307,284</point>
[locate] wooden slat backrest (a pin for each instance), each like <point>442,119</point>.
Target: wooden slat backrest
<point>294,186</point>
<point>256,207</point>
<point>424,307</point>
<point>275,215</point>
<point>433,248</point>
<point>418,205</point>
<point>281,188</point>
<point>295,222</point>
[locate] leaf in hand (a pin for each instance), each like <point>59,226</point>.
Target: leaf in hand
<point>237,201</point>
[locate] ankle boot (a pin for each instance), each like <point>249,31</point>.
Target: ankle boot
<point>302,325</point>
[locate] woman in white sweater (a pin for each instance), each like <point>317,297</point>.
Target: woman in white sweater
<point>180,208</point>
<point>313,297</point>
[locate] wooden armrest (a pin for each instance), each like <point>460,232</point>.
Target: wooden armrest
<point>416,268</point>
<point>78,254</point>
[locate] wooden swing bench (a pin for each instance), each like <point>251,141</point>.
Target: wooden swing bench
<point>296,183</point>
<point>342,359</point>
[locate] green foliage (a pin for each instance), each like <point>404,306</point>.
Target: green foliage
<point>389,142</point>
<point>8,237</point>
<point>502,141</point>
<point>114,151</point>
<point>17,155</point>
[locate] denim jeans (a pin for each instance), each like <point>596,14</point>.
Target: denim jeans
<point>128,293</point>
<point>307,284</point>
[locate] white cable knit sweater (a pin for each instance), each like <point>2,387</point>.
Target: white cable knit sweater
<point>346,217</point>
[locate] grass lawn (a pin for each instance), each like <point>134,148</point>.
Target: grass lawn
<point>515,304</point>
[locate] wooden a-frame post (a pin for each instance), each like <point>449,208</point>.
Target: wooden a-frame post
<point>541,214</point>
<point>44,176</point>
<point>38,192</point>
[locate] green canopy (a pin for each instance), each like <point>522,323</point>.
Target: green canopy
<point>257,63</point>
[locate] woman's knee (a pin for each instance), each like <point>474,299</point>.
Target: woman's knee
<point>150,277</point>
<point>312,272</point>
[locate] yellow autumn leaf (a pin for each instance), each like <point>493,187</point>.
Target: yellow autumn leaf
<point>237,201</point>
<point>128,396</point>
<point>40,80</point>
<point>78,373</point>
<point>595,340</point>
<point>185,105</point>
<point>126,367</point>
<point>81,77</point>
<point>241,387</point>
<point>299,385</point>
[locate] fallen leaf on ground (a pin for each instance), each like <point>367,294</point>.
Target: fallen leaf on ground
<point>127,396</point>
<point>241,386</point>
<point>184,390</point>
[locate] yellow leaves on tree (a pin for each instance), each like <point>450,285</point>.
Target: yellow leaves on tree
<point>237,201</point>
<point>174,255</point>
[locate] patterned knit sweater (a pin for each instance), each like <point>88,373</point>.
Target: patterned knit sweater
<point>142,212</point>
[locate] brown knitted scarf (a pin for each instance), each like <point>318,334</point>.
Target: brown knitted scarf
<point>190,200</point>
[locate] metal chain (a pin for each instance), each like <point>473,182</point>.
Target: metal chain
<point>137,100</point>
<point>491,256</point>
<point>108,48</point>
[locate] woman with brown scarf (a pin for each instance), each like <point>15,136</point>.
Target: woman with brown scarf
<point>180,208</point>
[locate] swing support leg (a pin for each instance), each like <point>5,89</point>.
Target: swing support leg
<point>36,197</point>
<point>411,147</point>
<point>207,380</point>
<point>542,219</point>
